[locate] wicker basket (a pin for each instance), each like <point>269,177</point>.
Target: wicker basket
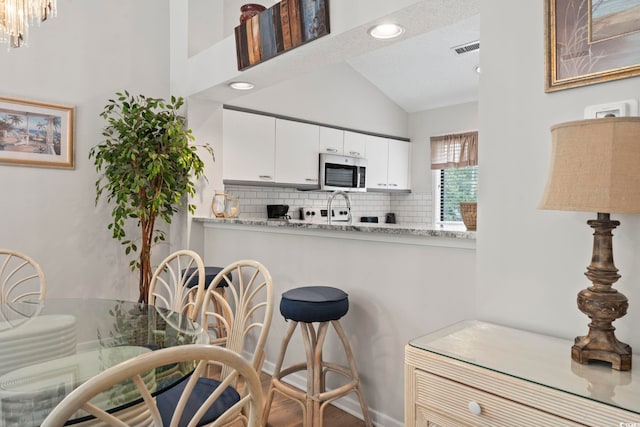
<point>469,210</point>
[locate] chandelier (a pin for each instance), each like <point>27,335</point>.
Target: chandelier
<point>16,15</point>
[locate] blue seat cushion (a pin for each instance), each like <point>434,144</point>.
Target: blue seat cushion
<point>168,400</point>
<point>314,304</point>
<point>209,274</point>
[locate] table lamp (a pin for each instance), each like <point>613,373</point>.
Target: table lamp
<point>595,167</point>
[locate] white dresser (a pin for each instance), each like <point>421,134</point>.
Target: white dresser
<point>480,374</point>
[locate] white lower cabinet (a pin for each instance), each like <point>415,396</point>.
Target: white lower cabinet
<point>479,374</point>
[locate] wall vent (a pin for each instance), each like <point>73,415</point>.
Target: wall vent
<point>467,47</point>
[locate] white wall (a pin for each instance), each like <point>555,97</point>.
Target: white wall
<point>530,263</point>
<point>336,95</point>
<point>81,58</point>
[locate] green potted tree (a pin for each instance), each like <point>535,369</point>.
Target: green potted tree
<point>147,168</point>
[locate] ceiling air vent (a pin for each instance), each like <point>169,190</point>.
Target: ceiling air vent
<point>467,47</point>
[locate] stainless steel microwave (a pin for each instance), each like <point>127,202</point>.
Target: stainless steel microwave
<point>342,173</point>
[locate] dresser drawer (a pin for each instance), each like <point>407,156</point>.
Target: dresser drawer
<point>446,403</point>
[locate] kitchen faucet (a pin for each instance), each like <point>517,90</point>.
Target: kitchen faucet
<point>346,197</point>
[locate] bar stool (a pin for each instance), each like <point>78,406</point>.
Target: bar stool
<point>305,306</point>
<point>209,274</point>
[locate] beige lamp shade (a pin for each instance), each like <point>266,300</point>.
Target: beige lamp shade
<point>595,166</point>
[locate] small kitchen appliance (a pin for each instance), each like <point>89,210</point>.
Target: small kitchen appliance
<point>277,211</point>
<point>319,215</point>
<point>342,173</point>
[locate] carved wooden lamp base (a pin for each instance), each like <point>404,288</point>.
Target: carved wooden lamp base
<point>594,168</point>
<point>602,303</point>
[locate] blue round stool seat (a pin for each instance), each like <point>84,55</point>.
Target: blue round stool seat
<point>314,304</point>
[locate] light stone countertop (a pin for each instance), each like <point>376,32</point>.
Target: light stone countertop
<point>363,227</point>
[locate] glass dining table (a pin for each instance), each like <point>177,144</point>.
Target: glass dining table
<point>50,347</point>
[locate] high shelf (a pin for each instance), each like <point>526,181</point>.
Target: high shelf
<point>481,374</point>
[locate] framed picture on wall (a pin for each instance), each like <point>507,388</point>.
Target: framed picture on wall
<point>36,134</point>
<point>591,41</point>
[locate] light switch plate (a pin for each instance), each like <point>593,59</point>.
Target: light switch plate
<point>618,109</point>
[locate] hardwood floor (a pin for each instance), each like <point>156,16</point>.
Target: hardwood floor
<point>288,413</point>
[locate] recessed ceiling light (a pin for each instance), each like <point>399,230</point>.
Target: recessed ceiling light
<point>386,31</point>
<point>241,85</point>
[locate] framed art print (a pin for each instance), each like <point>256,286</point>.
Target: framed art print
<point>36,134</point>
<point>591,41</point>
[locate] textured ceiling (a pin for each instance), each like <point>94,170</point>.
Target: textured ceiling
<point>423,72</point>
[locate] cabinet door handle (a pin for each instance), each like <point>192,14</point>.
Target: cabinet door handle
<point>331,150</point>
<point>311,179</point>
<point>393,185</point>
<point>355,153</point>
<point>382,185</point>
<point>265,177</point>
<point>475,408</point>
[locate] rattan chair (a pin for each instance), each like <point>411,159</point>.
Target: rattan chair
<point>196,400</point>
<point>168,285</point>
<point>240,317</point>
<point>21,278</point>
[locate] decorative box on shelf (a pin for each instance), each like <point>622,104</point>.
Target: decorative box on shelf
<point>480,374</point>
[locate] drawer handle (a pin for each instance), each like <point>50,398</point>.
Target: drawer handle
<point>355,153</point>
<point>331,150</point>
<point>265,177</point>
<point>474,408</point>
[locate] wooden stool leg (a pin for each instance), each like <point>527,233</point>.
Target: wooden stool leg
<point>309,339</point>
<point>354,372</point>
<point>318,374</point>
<point>276,372</point>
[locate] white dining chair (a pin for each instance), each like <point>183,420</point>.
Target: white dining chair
<point>196,400</point>
<point>21,278</point>
<point>243,311</point>
<point>168,287</point>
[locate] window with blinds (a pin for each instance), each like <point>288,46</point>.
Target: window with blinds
<point>454,162</point>
<point>455,186</point>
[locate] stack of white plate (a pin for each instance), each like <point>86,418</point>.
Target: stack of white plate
<point>40,339</point>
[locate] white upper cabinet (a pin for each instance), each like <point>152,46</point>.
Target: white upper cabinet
<point>355,144</point>
<point>248,147</point>
<point>331,141</point>
<point>399,171</point>
<point>387,164</point>
<point>297,146</point>
<point>342,142</point>
<point>377,162</point>
<point>258,148</point>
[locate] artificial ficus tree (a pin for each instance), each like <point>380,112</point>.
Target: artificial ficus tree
<point>148,166</point>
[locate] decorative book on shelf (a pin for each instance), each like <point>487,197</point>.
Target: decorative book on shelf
<point>282,27</point>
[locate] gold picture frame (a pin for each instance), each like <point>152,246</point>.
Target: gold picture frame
<point>590,41</point>
<point>35,133</point>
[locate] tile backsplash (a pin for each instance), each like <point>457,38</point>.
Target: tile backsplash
<point>409,208</point>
